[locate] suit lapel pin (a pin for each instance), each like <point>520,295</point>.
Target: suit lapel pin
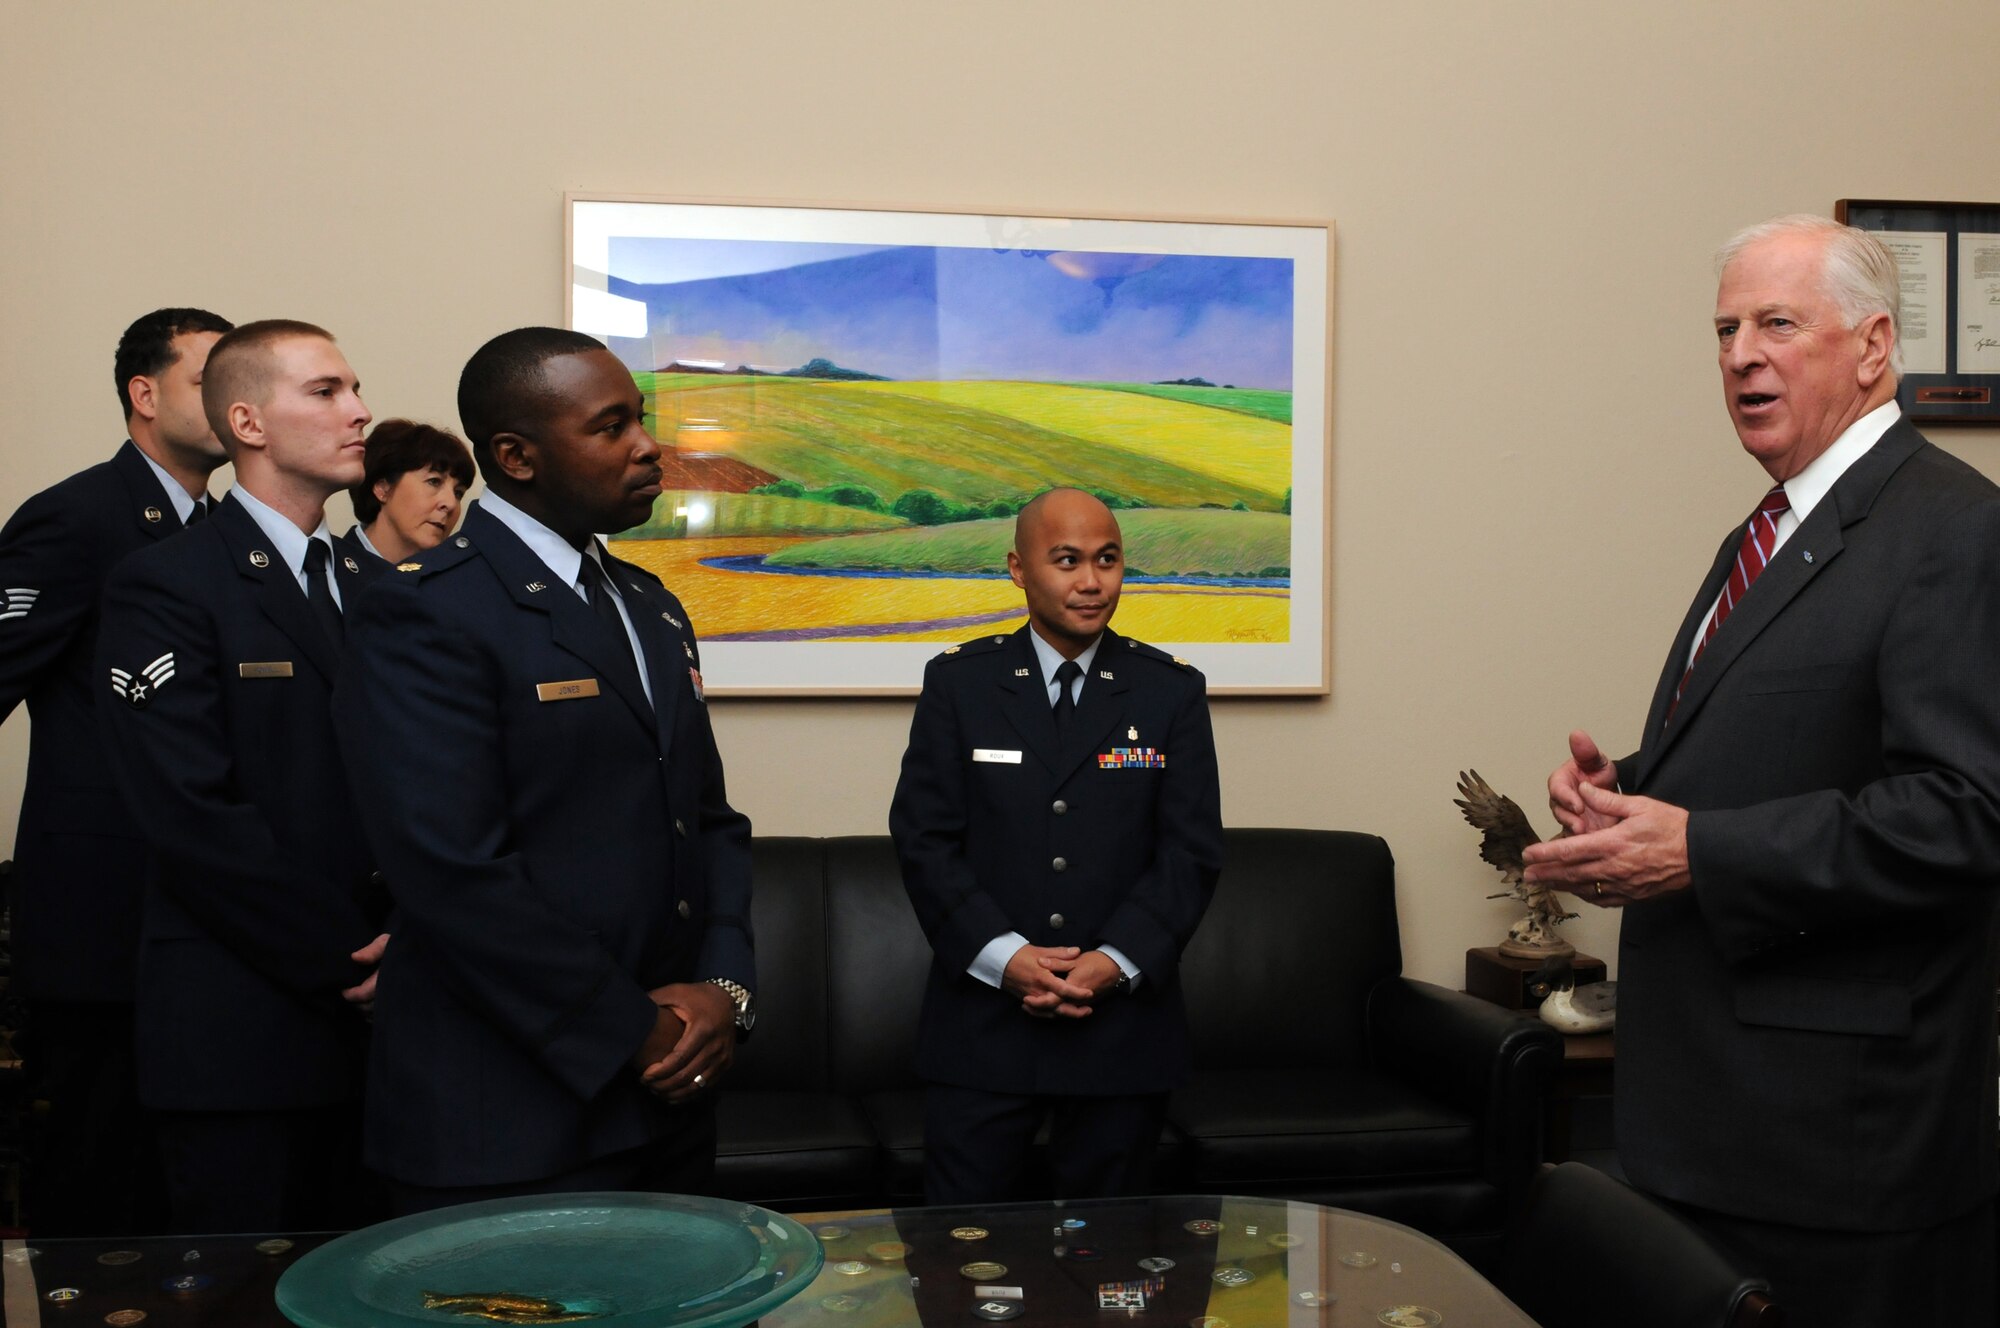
<point>670,618</point>
<point>350,565</point>
<point>534,586</point>
<point>153,514</point>
<point>1808,555</point>
<point>259,558</point>
<point>1132,734</point>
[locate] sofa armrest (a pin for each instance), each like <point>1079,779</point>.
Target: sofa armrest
<point>1491,1063</point>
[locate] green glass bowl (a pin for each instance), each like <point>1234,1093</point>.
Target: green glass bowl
<point>631,1260</point>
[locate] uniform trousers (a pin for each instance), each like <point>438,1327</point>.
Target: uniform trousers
<point>242,1171</point>
<point>977,1145</point>
<point>94,1168</point>
<point>1865,1279</point>
<point>681,1161</point>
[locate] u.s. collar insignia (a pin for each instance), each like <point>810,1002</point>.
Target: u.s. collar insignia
<point>138,689</point>
<point>19,600</point>
<point>1020,673</point>
<point>153,514</point>
<point>409,567</point>
<point>534,586</point>
<point>259,558</point>
<point>350,564</point>
<point>1106,675</point>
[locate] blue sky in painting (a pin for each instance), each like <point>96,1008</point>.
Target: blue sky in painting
<point>960,313</point>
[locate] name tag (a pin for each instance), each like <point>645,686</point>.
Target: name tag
<point>995,756</point>
<point>566,691</point>
<point>277,668</point>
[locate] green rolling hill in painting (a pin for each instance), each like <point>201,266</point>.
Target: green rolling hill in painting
<point>983,442</point>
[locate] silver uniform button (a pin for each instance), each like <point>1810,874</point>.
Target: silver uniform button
<point>1056,921</point>
<point>684,910</point>
<point>1060,864</point>
<point>1060,807</point>
<point>462,542</point>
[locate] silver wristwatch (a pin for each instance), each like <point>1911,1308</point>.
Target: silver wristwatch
<point>746,1005</point>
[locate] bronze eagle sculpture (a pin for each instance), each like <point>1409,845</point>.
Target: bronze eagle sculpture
<point>1506,833</point>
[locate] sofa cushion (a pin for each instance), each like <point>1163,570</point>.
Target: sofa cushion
<point>788,1048</point>
<point>795,1150</point>
<point>1301,1125</point>
<point>880,961</point>
<point>1302,927</point>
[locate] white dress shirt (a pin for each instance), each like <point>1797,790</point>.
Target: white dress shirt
<point>290,540</point>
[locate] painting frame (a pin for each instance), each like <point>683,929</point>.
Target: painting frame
<point>1298,664</point>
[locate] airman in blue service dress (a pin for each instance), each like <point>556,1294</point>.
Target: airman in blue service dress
<point>79,861</point>
<point>1109,834</point>
<point>215,681</point>
<point>558,844</point>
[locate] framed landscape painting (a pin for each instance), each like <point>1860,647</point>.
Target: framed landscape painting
<point>853,404</point>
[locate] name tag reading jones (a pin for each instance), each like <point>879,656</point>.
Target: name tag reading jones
<point>280,668</point>
<point>995,756</point>
<point>566,691</point>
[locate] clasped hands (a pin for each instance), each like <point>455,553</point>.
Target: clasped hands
<point>693,1040</point>
<point>1058,981</point>
<point>1614,849</point>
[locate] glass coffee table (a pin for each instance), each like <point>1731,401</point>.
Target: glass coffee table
<point>1187,1261</point>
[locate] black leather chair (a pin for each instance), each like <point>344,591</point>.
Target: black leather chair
<point>1322,1073</point>
<point>1590,1250</point>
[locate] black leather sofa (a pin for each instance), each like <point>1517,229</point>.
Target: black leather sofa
<point>1322,1072</point>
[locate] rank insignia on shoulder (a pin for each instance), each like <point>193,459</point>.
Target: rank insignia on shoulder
<point>350,564</point>
<point>1183,663</point>
<point>259,558</point>
<point>138,688</point>
<point>19,600</point>
<point>409,567</point>
<point>952,650</point>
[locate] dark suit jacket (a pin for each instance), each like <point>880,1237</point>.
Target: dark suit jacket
<point>79,861</point>
<point>214,683</point>
<point>555,848</point>
<point>1064,846</point>
<point>1806,1035</point>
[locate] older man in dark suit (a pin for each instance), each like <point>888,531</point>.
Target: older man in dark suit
<point>1807,842</point>
<point>524,720</point>
<point>215,669</point>
<point>1060,830</point>
<point>79,864</point>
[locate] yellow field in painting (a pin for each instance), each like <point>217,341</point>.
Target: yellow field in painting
<point>1230,446</point>
<point>725,604</point>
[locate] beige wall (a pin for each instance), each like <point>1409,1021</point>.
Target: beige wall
<point>1530,462</point>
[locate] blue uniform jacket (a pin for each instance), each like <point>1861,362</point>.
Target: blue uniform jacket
<point>214,682</point>
<point>79,861</point>
<point>1112,835</point>
<point>555,847</point>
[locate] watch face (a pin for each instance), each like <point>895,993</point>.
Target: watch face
<point>746,1019</point>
